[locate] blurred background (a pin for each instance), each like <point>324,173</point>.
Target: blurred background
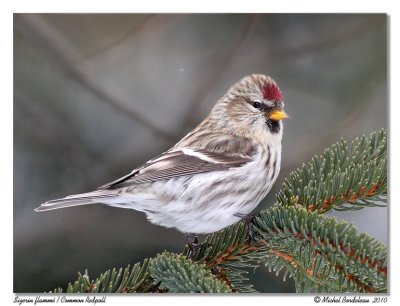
<point>96,95</point>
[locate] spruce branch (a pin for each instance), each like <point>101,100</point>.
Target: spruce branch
<point>226,252</point>
<point>178,274</point>
<point>321,254</point>
<point>135,279</point>
<point>342,178</point>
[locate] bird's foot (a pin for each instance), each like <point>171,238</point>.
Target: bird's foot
<point>194,245</point>
<point>248,219</point>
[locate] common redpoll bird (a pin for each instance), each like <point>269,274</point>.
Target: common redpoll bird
<point>217,173</point>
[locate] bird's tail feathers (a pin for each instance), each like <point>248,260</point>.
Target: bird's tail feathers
<point>76,200</point>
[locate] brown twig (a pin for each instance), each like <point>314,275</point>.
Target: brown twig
<point>349,197</point>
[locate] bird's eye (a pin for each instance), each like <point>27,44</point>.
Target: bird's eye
<point>256,104</point>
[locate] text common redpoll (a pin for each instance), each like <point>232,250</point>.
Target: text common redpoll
<point>223,168</point>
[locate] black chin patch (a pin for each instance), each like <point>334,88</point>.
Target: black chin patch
<point>273,126</point>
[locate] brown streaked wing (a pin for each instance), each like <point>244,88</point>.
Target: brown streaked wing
<point>176,164</point>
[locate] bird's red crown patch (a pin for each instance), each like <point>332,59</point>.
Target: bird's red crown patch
<point>271,92</point>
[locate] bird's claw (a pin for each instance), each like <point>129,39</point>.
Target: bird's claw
<point>194,245</point>
<point>248,219</point>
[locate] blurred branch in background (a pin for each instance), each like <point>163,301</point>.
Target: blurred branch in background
<point>215,70</point>
<point>129,33</point>
<point>49,39</point>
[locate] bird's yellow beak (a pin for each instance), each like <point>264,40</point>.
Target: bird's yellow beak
<point>277,115</point>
